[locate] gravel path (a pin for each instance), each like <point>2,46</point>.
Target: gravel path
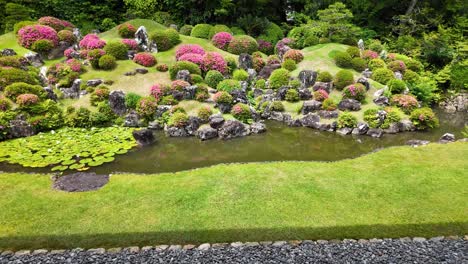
<point>381,251</point>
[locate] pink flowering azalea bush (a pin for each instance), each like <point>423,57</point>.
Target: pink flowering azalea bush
<point>74,64</point>
<point>189,48</point>
<point>130,43</point>
<point>214,61</point>
<point>157,92</point>
<point>145,59</point>
<point>68,53</point>
<point>369,55</point>
<point>355,91</point>
<point>179,85</point>
<point>92,41</point>
<point>27,99</point>
<point>406,102</point>
<point>320,95</point>
<point>221,40</point>
<point>55,23</point>
<point>29,34</point>
<point>192,57</point>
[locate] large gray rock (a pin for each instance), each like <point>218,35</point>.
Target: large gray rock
<point>245,61</point>
<point>206,133</point>
<point>258,127</point>
<point>132,119</point>
<point>311,106</point>
<point>364,81</point>
<point>94,82</point>
<point>267,70</point>
<point>326,86</point>
<point>350,105</point>
<point>277,116</point>
<point>361,129</point>
<point>304,94</point>
<point>406,125</point>
<point>225,108</point>
<point>176,132</point>
<point>233,129</point>
<point>328,114</point>
<point>216,121</point>
<point>72,92</point>
<point>193,125</point>
<point>239,96</point>
<point>447,137</point>
<point>144,136</point>
<point>117,102</point>
<point>311,120</point>
<point>141,70</point>
<point>50,93</point>
<point>393,128</point>
<point>382,101</point>
<point>190,92</point>
<point>184,75</point>
<point>8,52</point>
<point>367,73</point>
<point>375,132</point>
<point>35,59</point>
<point>57,52</point>
<point>19,127</point>
<point>307,78</point>
<point>161,109</point>
<point>144,42</point>
<point>252,74</point>
<point>344,131</point>
<point>257,92</point>
<point>281,92</point>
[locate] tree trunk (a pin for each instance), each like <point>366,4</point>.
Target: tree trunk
<point>411,7</point>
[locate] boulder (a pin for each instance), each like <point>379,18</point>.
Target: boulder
<point>19,127</point>
<point>307,78</point>
<point>361,129</point>
<point>417,142</point>
<point>143,136</point>
<point>281,92</point>
<point>267,70</point>
<point>258,127</point>
<point>94,82</point>
<point>233,129</point>
<point>398,75</point>
<point>327,86</point>
<point>446,138</point>
<point>406,125</point>
<point>184,75</point>
<point>252,74</point>
<point>72,92</point>
<point>178,95</point>
<point>245,61</point>
<point>43,75</point>
<point>364,81</point>
<point>117,102</point>
<point>455,103</point>
<point>304,94</point>
<point>257,92</point>
<point>311,120</point>
<point>141,70</point>
<point>162,109</point>
<point>8,52</point>
<point>144,42</point>
<point>375,132</point>
<point>393,128</point>
<point>366,73</point>
<point>328,114</point>
<point>34,59</point>
<point>292,122</point>
<point>344,131</point>
<point>360,44</point>
<point>277,116</point>
<point>50,93</point>
<point>176,132</point>
<point>325,127</point>
<point>239,96</point>
<point>311,106</point>
<point>131,73</point>
<point>382,101</point>
<point>225,108</point>
<point>216,121</point>
<point>132,119</point>
<point>350,105</point>
<point>57,52</point>
<point>155,125</point>
<point>206,133</point>
<point>193,125</point>
<point>131,54</point>
<point>379,92</point>
<point>190,91</point>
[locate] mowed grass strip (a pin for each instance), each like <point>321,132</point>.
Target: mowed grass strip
<point>396,192</point>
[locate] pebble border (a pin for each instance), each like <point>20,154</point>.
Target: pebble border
<point>207,246</point>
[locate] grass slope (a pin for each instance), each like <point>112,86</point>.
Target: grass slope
<point>396,192</point>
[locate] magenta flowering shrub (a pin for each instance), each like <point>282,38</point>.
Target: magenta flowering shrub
<point>157,92</point>
<point>265,46</point>
<point>369,55</point>
<point>130,43</point>
<point>221,40</point>
<point>320,95</point>
<point>293,54</point>
<point>192,57</point>
<point>145,59</point>
<point>283,44</point>
<point>74,64</point>
<point>29,34</point>
<point>241,112</point>
<point>55,23</point>
<point>27,99</point>
<point>179,85</point>
<point>189,48</point>
<point>355,91</point>
<point>214,61</point>
<point>92,41</point>
<point>68,53</point>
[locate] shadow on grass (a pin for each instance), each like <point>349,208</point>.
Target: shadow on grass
<point>231,235</point>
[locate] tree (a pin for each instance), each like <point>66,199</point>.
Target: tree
<point>15,13</point>
<point>337,19</point>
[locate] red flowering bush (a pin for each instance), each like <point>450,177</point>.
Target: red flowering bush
<point>30,34</point>
<point>146,107</point>
<point>145,59</point>
<point>293,54</point>
<point>67,36</point>
<point>397,65</point>
<point>179,85</point>
<point>157,92</point>
<point>406,102</point>
<point>242,44</point>
<point>214,61</point>
<point>74,64</point>
<point>27,99</point>
<point>369,55</point>
<point>126,30</point>
<point>92,41</point>
<point>55,23</point>
<point>221,40</point>
<point>100,94</point>
<point>241,112</point>
<point>355,91</point>
<point>162,67</point>
<point>265,46</point>
<point>192,57</point>
<point>189,48</point>
<point>320,95</point>
<point>130,43</point>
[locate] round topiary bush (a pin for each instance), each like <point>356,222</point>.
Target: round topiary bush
<point>92,41</point>
<point>240,75</point>
<point>375,64</point>
<point>15,89</point>
<point>131,100</point>
<point>179,85</point>
<point>94,55</point>
<point>272,33</point>
<point>424,118</point>
<point>346,119</point>
<point>186,30</point>
<point>369,55</point>
<point>358,64</point>
<point>116,49</point>
<point>100,94</point>
<point>414,65</point>
<point>293,54</point>
<point>260,84</point>
<point>342,59</point>
<point>329,105</point>
<point>241,112</point>
<point>202,93</point>
<point>162,67</point>
<point>189,48</point>
<point>324,76</point>
<point>67,36</point>
<point>411,77</point>
<point>74,64</point>
<point>213,77</point>
<point>242,44</point>
<point>165,39</point>
<point>5,104</point>
<point>265,46</point>
<point>278,78</point>
<point>42,46</point>
<point>126,30</point>
<point>184,65</point>
<point>311,40</point>
<point>382,75</point>
<point>178,120</point>
<point>222,98</point>
<point>204,113</point>
<point>228,85</point>
<point>397,65</point>
<point>217,29</point>
<point>146,108</point>
<point>55,23</point>
<point>107,62</point>
<point>11,75</point>
<point>292,95</point>
<point>289,65</point>
<point>273,59</point>
<point>30,34</point>
<point>131,44</point>
<point>221,40</point>
<point>214,61</point>
<point>201,31</point>
<point>320,95</point>
<point>195,78</point>
<point>355,91</point>
<point>192,57</point>
<point>353,52</point>
<point>396,86</point>
<point>145,59</point>
<point>277,106</point>
<point>376,45</point>
<point>342,79</point>
<point>24,100</point>
<point>406,102</point>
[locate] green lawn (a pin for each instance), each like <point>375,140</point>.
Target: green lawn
<point>396,192</point>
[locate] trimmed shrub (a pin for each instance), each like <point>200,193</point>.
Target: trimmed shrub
<point>353,52</point>
<point>375,45</point>
<point>202,93</point>
<point>12,61</point>
<point>272,33</point>
<point>294,54</point>
<point>5,104</point>
<point>214,61</point>
<point>100,94</point>
<point>184,65</point>
<point>355,91</point>
<point>126,30</point>
<point>383,75</point>
<point>396,86</point>
<point>411,77</point>
<point>237,31</point>
<point>358,64</point>
<point>221,40</point>
<point>346,119</point>
<point>369,55</point>
<point>195,78</point>
<point>324,40</point>
<point>311,41</point>
<point>324,76</point>
<point>289,65</point>
<point>28,35</point>
<point>329,104</point>
<point>145,59</point>
<point>342,59</point>
<point>278,78</point>
<point>74,64</point>
<point>424,118</point>
<point>425,90</point>
<point>42,46</point>
<point>397,65</point>
<point>292,95</point>
<point>277,106</point>
<point>13,90</point>
<point>242,44</point>
<point>222,98</point>
<point>131,100</point>
<point>94,55</point>
<point>189,48</point>
<point>192,57</point>
<point>217,29</point>
<point>168,100</point>
<point>201,31</point>
<point>178,120</point>
<point>295,84</point>
<point>107,62</point>
<point>55,23</point>
<point>165,39</point>
<point>372,118</point>
<point>92,41</point>
<point>158,91</point>
<point>406,102</point>
<point>260,84</point>
<point>179,85</point>
<point>273,59</point>
<point>204,113</point>
<point>342,79</point>
<point>186,30</point>
<point>258,62</point>
<point>265,46</point>
<point>67,36</point>
<point>213,77</point>
<point>375,64</point>
<point>414,65</point>
<point>231,63</point>
<point>162,67</point>
<point>320,95</point>
<point>241,112</point>
<point>146,107</point>
<point>24,100</point>
<point>394,115</point>
<point>240,75</point>
<point>116,49</point>
<point>228,85</point>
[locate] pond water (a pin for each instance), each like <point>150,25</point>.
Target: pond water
<point>279,143</point>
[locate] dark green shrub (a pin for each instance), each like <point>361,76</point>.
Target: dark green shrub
<point>231,63</point>
<point>414,65</point>
<point>201,31</point>
<point>213,77</point>
<point>411,77</point>
<point>126,30</point>
<point>358,64</point>
<point>355,91</point>
<point>107,62</point>
<point>289,65</point>
<point>382,75</point>
<point>394,115</point>
<point>237,31</point>
<point>5,104</point>
<point>375,45</point>
<point>204,113</point>
<point>195,78</point>
<point>324,76</point>
<point>324,40</point>
<point>311,41</point>
<point>292,95</point>
<point>166,39</point>
<point>42,46</point>
<point>396,86</point>
<point>241,112</point>
<point>186,30</point>
<point>131,100</point>
<point>277,106</point>
<point>116,49</point>
<point>375,64</point>
<point>12,91</point>
<point>240,75</point>
<point>346,119</point>
<point>218,28</point>
<point>424,118</point>
<point>342,79</point>
<point>94,56</point>
<point>178,120</point>
<point>228,85</point>
<point>342,59</point>
<point>11,61</point>
<point>278,78</point>
<point>272,33</point>
<point>79,118</point>
<point>49,116</point>
<point>184,65</point>
<point>243,44</point>
<point>424,90</point>
<point>353,52</point>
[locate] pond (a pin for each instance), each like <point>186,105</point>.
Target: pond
<point>279,143</point>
